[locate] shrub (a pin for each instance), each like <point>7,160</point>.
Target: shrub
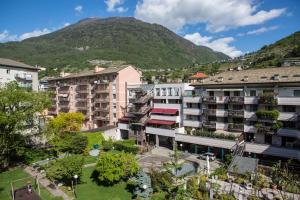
<point>252,197</point>
<point>215,135</point>
<point>226,197</point>
<point>72,143</point>
<point>221,172</point>
<point>138,182</point>
<point>107,144</point>
<point>64,169</point>
<point>112,167</point>
<point>161,181</point>
<point>126,146</point>
<point>267,114</point>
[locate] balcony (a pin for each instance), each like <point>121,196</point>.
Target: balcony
<point>166,117</point>
<point>236,100</point>
<point>64,91</point>
<point>289,132</point>
<point>64,105</point>
<point>265,129</point>
<point>192,99</point>
<point>250,129</point>
<point>192,123</point>
<point>236,127</point>
<point>139,111</point>
<point>209,125</point>
<point>236,113</point>
<point>63,99</point>
<point>143,99</point>
<point>169,105</point>
<point>288,116</point>
<point>221,113</point>
<point>103,109</point>
<point>250,100</point>
<point>267,99</point>
<point>209,99</point>
<point>82,91</point>
<point>289,101</point>
<point>101,91</point>
<point>192,111</point>
<point>101,100</point>
<point>210,112</point>
<point>222,99</point>
<point>81,107</point>
<point>52,112</point>
<point>104,118</point>
<point>250,115</point>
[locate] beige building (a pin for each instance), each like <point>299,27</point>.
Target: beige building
<point>99,94</point>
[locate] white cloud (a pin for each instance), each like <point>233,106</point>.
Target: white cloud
<point>259,31</point>
<point>218,15</point>
<point>221,44</point>
<point>67,24</point>
<point>115,6</point>
<point>78,9</point>
<point>6,36</point>
<point>35,33</point>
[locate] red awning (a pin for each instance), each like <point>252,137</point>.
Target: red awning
<point>161,122</point>
<point>166,111</point>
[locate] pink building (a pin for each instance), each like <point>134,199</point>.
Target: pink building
<point>99,94</point>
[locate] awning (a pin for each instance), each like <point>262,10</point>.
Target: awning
<point>161,122</point>
<point>166,111</point>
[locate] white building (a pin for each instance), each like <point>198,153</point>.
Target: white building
<point>25,75</point>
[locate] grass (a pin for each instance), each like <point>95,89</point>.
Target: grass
<point>90,159</point>
<point>93,138</point>
<point>88,189</point>
<point>14,174</point>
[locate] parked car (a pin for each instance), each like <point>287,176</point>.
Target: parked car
<point>211,156</point>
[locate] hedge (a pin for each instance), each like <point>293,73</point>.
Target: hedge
<point>126,146</point>
<point>267,114</point>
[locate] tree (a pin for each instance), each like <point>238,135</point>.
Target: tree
<point>112,167</point>
<point>64,169</point>
<point>142,185</point>
<point>161,181</point>
<point>63,124</point>
<point>62,132</point>
<point>18,112</point>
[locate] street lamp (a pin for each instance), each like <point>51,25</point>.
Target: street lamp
<point>145,186</point>
<point>75,177</point>
<point>181,146</point>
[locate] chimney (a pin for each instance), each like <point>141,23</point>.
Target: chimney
<point>98,69</point>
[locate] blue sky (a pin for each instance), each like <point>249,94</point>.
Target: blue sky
<point>231,26</point>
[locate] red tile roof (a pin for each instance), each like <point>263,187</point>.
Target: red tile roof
<point>166,111</point>
<point>199,75</point>
<point>161,122</point>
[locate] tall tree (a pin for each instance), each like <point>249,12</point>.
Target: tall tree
<point>18,117</point>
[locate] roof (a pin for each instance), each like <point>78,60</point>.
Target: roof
<point>250,76</point>
<point>108,70</point>
<point>166,111</point>
<point>161,122</point>
<point>242,165</point>
<point>199,75</point>
<point>13,63</point>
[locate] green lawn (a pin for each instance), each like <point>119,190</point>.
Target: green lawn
<point>93,138</point>
<point>17,173</point>
<point>90,159</point>
<point>90,190</point>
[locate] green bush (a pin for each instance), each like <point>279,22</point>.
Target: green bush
<point>226,197</point>
<point>71,143</point>
<point>267,114</point>
<point>32,155</point>
<point>221,172</point>
<point>215,135</point>
<point>127,146</point>
<point>64,169</point>
<point>107,144</point>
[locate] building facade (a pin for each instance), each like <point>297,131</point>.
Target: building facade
<point>25,75</point>
<point>98,94</point>
<point>260,107</point>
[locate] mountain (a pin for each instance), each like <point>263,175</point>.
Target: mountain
<point>127,39</point>
<point>274,54</point>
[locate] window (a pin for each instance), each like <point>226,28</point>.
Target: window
<point>115,115</point>
<point>157,92</point>
<point>211,93</point>
<point>164,92</point>
<point>253,108</point>
<point>170,92</point>
<point>289,108</point>
<point>8,71</point>
<point>176,91</point>
<point>252,93</point>
<point>114,105</point>
<point>130,93</point>
<point>114,96</point>
<point>225,106</point>
<point>236,93</point>
<point>296,93</point>
<point>226,93</point>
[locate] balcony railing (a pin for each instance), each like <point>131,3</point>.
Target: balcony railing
<point>143,99</point>
<point>210,112</point>
<point>64,105</point>
<point>209,99</point>
<point>100,100</point>
<point>142,110</point>
<point>236,113</point>
<point>104,109</point>
<point>105,118</point>
<point>265,129</point>
<point>268,99</point>
<point>235,127</point>
<point>209,125</point>
<point>236,100</point>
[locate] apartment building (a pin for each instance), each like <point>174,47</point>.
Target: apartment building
<point>99,94</point>
<point>139,105</point>
<point>25,75</point>
<point>260,107</point>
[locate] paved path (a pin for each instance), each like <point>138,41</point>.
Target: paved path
<point>52,188</point>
